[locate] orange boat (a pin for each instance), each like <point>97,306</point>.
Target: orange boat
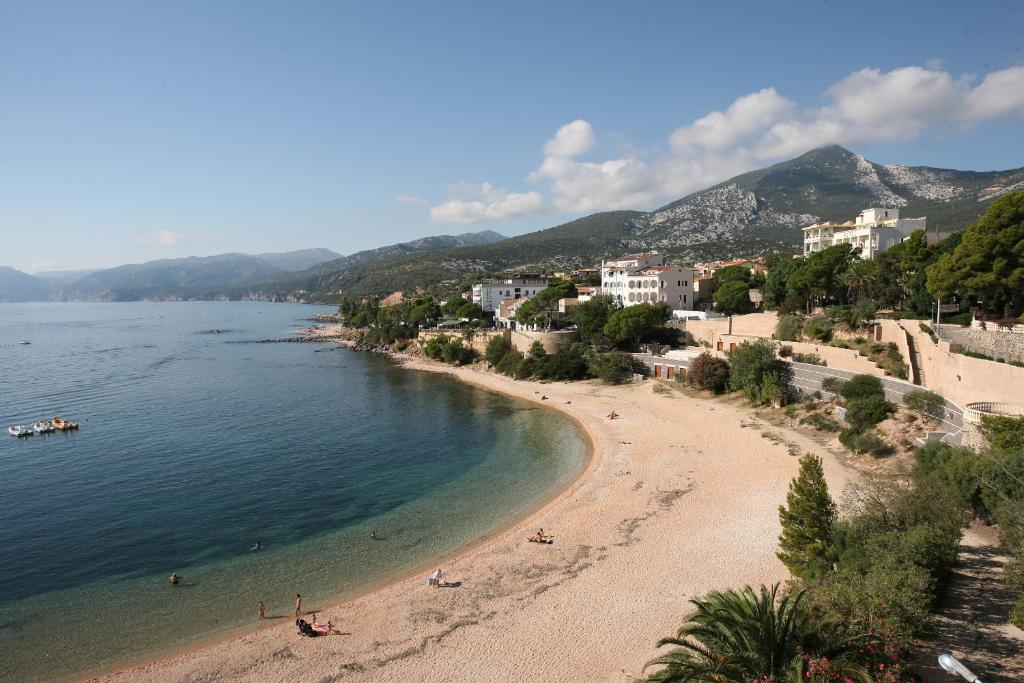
<point>64,425</point>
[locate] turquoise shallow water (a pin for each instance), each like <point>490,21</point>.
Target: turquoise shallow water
<point>194,445</point>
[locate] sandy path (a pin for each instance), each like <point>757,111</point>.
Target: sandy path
<point>681,498</point>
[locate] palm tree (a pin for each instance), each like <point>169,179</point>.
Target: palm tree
<point>746,636</point>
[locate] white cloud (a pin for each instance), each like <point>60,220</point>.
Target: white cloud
<point>746,116</point>
<point>163,238</point>
<point>1000,94</point>
<point>411,200</point>
<point>865,107</point>
<point>571,140</point>
<point>476,203</point>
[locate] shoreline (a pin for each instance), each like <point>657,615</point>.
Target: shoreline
<point>249,652</point>
<point>338,602</point>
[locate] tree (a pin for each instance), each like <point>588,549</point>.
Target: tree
<point>754,370</point>
<point>538,309</point>
<point>613,367</point>
<point>806,546</point>
<point>708,373</point>
<point>629,326</point>
<point>764,636</point>
<point>780,267</point>
<point>496,349</point>
<point>568,363</point>
<point>733,298</point>
<point>989,261</point>
<point>724,276</point>
<point>470,310</point>
<point>590,317</point>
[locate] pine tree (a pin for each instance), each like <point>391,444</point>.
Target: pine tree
<point>805,545</point>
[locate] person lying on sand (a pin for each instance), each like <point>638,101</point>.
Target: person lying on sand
<point>612,415</point>
<point>541,537</point>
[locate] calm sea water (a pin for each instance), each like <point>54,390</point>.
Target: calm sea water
<point>194,446</point>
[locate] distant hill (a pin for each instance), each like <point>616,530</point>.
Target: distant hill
<point>375,264</point>
<point>16,286</point>
<point>65,276</point>
<point>749,215</point>
<point>298,260</point>
<point>194,277</point>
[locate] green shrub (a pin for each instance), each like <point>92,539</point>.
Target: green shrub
<point>926,328</point>
<point>788,328</point>
<point>496,349</point>
<point>614,367</point>
<point>818,327</point>
<point>956,468</point>
<point>785,351</point>
<point>708,373</point>
<point>526,367</point>
<point>509,362</point>
<point>866,412</point>
<point>809,358</point>
<point>755,371</point>
<point>434,347</point>
<point>455,352</point>
<point>862,386</point>
<point>833,385</point>
<point>823,423</point>
<point>924,401</point>
<point>864,442</point>
<point>1017,614</point>
<point>568,363</point>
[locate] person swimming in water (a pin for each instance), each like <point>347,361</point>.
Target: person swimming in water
<point>257,546</point>
<point>174,579</point>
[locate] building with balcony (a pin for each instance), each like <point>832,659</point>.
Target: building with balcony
<point>646,278</point>
<point>873,231</point>
<point>489,295</point>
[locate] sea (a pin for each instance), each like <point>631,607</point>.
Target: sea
<point>196,444</point>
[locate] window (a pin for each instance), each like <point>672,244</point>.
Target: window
<point>684,298</point>
<point>686,283</point>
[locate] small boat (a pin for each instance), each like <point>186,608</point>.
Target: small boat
<point>63,425</point>
<point>43,427</point>
<point>24,342</point>
<point>19,430</point>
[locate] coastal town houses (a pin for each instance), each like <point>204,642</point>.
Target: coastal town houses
<point>489,295</point>
<point>646,278</point>
<point>873,231</point>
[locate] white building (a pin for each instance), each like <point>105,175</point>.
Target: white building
<point>489,295</point>
<point>646,278</point>
<point>874,231</point>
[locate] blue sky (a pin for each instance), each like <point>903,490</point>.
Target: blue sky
<point>133,131</point>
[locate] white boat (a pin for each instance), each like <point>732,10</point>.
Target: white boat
<point>24,342</point>
<point>19,430</point>
<point>43,427</point>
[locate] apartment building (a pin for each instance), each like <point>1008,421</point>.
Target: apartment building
<point>873,231</point>
<point>646,278</point>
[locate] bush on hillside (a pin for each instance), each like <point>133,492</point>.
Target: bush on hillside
<point>864,413</point>
<point>708,373</point>
<point>862,386</point>
<point>788,328</point>
<point>755,371</point>
<point>614,367</point>
<point>568,363</point>
<point>496,349</point>
<point>818,327</point>
<point>926,402</point>
<point>509,362</point>
<point>833,385</point>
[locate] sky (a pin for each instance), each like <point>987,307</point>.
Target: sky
<point>132,131</point>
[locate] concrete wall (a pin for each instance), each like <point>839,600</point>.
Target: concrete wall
<point>522,340</point>
<point>750,325</point>
<point>891,331</point>
<point>963,379</point>
<point>478,343</point>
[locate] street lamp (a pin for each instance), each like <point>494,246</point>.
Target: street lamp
<point>953,666</point>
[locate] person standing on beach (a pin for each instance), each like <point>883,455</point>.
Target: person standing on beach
<point>262,610</point>
<point>298,605</point>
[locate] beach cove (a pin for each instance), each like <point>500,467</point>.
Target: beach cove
<point>680,498</point>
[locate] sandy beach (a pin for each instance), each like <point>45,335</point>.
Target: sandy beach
<point>680,498</point>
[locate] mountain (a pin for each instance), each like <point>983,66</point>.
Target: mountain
<point>298,260</point>
<point>16,286</point>
<point>766,208</point>
<point>752,214</point>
